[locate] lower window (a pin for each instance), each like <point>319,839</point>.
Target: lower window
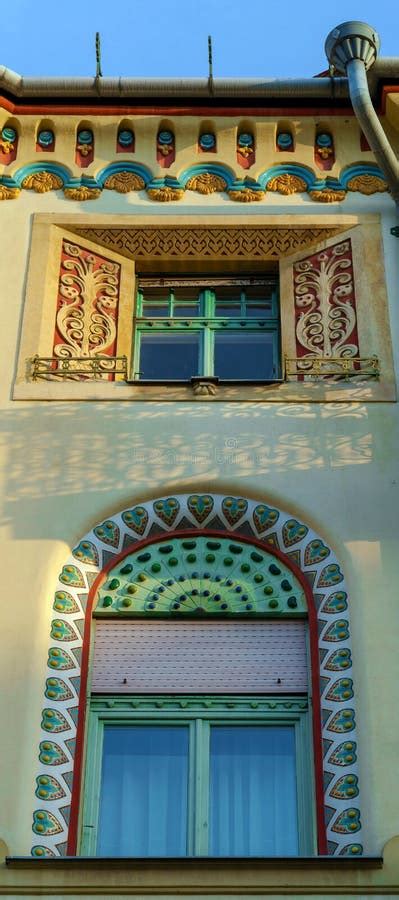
<point>220,777</point>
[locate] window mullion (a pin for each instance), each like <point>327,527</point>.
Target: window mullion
<point>202,733</point>
<point>92,787</point>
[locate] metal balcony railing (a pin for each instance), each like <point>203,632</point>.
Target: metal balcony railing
<point>77,368</point>
<point>333,368</point>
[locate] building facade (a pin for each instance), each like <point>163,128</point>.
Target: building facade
<point>199,475</point>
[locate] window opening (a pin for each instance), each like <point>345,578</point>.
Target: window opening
<point>226,328</point>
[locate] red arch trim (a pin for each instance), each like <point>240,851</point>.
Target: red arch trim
<point>314,660</point>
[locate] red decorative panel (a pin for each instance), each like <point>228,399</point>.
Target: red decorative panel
<point>200,657</point>
<point>87,305</point>
<point>325,304</point>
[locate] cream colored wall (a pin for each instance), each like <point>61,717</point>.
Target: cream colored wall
<point>66,466</point>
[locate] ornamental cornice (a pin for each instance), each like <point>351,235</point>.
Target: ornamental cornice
<point>205,179</point>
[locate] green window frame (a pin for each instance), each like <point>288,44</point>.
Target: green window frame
<point>199,713</point>
<point>169,309</point>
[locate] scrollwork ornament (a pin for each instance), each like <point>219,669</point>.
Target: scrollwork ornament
<point>41,182</point>
<point>124,182</point>
<point>324,297</point>
<point>206,183</point>
<point>86,317</point>
<point>287,184</point>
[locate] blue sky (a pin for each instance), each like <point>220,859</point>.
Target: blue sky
<point>143,38</point>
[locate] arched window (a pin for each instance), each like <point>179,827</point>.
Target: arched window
<point>205,623</point>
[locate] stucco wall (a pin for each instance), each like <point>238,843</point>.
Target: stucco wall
<point>66,466</point>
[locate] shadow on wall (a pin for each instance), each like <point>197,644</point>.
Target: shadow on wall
<point>98,456</point>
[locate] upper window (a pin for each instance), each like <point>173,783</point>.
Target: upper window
<point>211,327</point>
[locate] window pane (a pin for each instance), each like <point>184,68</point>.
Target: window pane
<point>186,301</point>
<point>245,355</point>
<point>169,356</point>
<point>151,310</point>
<point>259,300</point>
<point>253,806</point>
<point>144,791</point>
<point>228,301</point>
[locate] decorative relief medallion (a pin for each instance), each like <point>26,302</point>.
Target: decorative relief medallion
<point>86,319</point>
<point>287,184</point>
<point>367,184</point>
<point>41,182</point>
<point>206,183</point>
<point>325,305</point>
<point>123,182</point>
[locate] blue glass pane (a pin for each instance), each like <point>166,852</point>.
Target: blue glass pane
<point>169,356</point>
<point>241,355</point>
<point>144,791</point>
<point>253,805</point>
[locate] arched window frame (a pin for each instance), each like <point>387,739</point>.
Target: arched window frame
<point>313,563</point>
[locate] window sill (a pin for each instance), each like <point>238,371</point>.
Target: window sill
<point>272,392</point>
<point>322,876</point>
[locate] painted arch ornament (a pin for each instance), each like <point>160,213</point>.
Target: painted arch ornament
<point>285,539</point>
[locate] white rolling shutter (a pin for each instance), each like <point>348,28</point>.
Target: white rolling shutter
<point>147,656</point>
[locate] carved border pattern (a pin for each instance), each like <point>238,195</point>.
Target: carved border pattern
<point>325,304</point>
<point>206,243</point>
<point>237,515</point>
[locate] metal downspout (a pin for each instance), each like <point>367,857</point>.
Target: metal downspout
<point>353,47</point>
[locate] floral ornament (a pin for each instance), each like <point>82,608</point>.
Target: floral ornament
<point>8,138</point>
<point>206,183</point>
<point>285,141</point>
<point>85,142</point>
<point>165,142</point>
<point>324,145</point>
<point>45,139</point>
<point>82,193</point>
<point>165,194</point>
<point>7,193</point>
<point>207,142</point>
<point>123,182</point>
<point>41,182</point>
<point>287,184</point>
<point>125,137</point>
<point>245,144</point>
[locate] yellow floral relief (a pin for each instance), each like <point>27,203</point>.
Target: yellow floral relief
<point>7,193</point>
<point>123,182</point>
<point>82,193</point>
<point>165,194</point>
<point>367,184</point>
<point>206,183</point>
<point>287,184</point>
<point>6,146</point>
<point>327,196</point>
<point>41,182</point>
<point>246,196</point>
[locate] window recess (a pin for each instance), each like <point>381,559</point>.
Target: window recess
<point>222,328</point>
